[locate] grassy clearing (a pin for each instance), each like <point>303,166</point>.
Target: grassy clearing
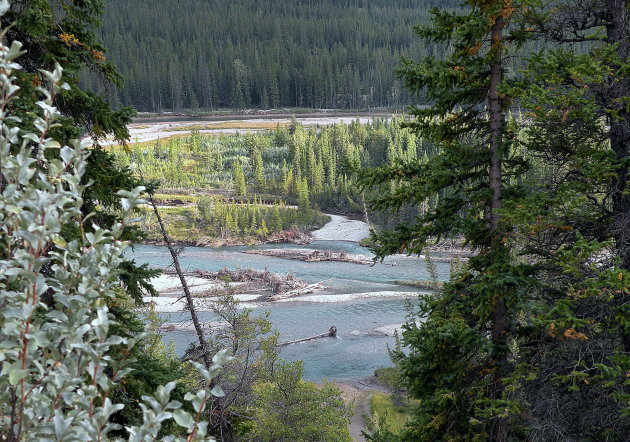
<point>179,222</point>
<point>381,405</point>
<point>176,198</point>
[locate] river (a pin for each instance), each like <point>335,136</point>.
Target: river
<point>360,300</point>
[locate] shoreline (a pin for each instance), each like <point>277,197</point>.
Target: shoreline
<point>176,304</point>
<point>259,114</point>
<point>147,129</point>
<point>339,228</point>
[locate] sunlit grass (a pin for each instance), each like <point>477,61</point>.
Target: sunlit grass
<point>381,405</point>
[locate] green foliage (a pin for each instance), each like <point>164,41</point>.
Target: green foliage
<point>386,420</point>
<point>152,362</point>
<point>261,53</point>
<point>225,218</point>
<point>461,342</point>
<point>252,343</point>
<point>551,269</point>
<point>304,204</point>
<point>57,371</point>
<point>287,408</point>
<point>240,187</point>
<point>289,163</point>
<point>259,172</point>
<point>63,32</point>
<point>573,220</point>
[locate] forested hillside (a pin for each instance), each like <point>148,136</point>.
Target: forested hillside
<point>261,53</point>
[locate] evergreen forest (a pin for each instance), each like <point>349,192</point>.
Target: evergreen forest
<point>252,183</point>
<point>213,54</point>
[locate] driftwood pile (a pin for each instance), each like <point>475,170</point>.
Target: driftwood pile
<point>285,236</point>
<point>421,284</point>
<point>289,236</point>
<point>282,287</point>
<point>309,255</point>
<point>311,288</point>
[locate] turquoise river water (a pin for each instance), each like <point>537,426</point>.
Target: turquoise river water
<point>359,349</point>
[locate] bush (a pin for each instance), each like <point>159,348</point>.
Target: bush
<point>288,408</point>
<point>56,374</point>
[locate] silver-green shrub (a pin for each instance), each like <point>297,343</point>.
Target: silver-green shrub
<point>55,372</point>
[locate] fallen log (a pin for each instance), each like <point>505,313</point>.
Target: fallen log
<point>332,333</point>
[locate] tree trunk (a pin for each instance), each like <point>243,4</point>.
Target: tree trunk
<point>617,33</point>
<point>189,300</point>
<point>499,427</point>
<point>217,409</point>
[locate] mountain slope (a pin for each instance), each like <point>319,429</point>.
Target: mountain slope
<point>261,53</point>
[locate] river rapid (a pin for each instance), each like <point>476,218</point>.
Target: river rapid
<point>362,301</point>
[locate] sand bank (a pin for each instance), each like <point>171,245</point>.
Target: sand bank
<point>340,228</point>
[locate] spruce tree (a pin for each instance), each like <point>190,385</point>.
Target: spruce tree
<point>573,222</point>
<point>259,171</point>
<point>276,219</point>
<point>460,353</point>
<point>304,203</point>
<point>238,178</point>
<point>602,26</point>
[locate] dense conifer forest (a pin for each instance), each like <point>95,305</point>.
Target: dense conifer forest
<point>239,54</point>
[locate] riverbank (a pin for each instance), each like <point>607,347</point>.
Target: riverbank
<point>341,228</point>
<point>248,114</point>
<point>153,128</point>
<point>359,393</point>
<point>190,225</point>
<point>186,230</point>
<point>309,255</point>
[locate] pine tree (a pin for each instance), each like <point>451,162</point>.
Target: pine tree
<point>304,203</point>
<point>287,182</point>
<point>230,225</point>
<point>573,215</point>
<point>259,171</point>
<point>253,223</point>
<point>276,225</point>
<point>238,178</point>
<point>263,231</point>
<point>460,351</point>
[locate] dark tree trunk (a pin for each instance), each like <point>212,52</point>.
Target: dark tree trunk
<point>499,428</point>
<point>189,299</point>
<point>617,33</point>
<point>217,408</point>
